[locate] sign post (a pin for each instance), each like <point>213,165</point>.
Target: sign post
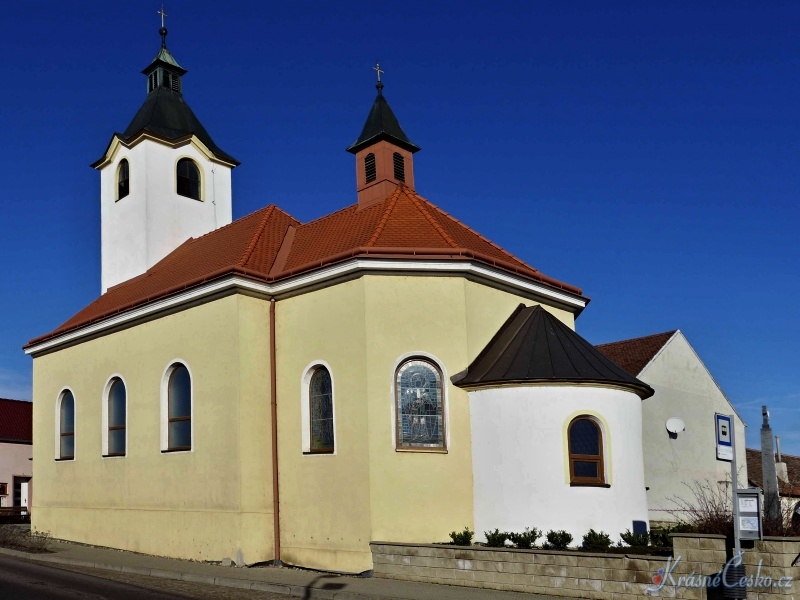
<point>734,573</point>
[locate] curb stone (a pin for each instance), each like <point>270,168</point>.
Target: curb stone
<point>261,586</point>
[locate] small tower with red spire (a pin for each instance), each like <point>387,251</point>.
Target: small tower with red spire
<point>384,154</point>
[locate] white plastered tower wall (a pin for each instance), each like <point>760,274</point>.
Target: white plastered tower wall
<point>684,388</point>
<point>140,229</point>
<point>520,460</point>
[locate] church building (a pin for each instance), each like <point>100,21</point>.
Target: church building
<point>269,389</point>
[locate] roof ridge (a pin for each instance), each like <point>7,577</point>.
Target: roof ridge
<point>384,218</point>
<point>336,212</point>
<point>254,240</point>
<point>636,339</point>
<point>415,199</point>
<point>472,231</point>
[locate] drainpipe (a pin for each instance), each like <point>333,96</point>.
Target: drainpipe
<point>273,373</point>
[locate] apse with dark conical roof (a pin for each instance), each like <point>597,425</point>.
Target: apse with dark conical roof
<point>384,154</point>
<point>534,347</point>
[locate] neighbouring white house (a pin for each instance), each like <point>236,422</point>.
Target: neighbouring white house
<point>684,390</point>
<point>16,451</point>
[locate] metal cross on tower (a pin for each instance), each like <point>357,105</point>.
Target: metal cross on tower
<point>163,14</point>
<point>377,69</point>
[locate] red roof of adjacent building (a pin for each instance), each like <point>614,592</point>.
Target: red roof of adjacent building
<point>755,473</point>
<point>16,421</point>
<point>270,245</point>
<point>634,354</point>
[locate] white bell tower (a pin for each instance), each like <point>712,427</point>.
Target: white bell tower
<point>162,182</point>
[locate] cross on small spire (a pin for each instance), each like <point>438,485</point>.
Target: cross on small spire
<point>378,70</point>
<point>163,14</point>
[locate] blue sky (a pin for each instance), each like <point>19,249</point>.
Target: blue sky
<point>647,153</point>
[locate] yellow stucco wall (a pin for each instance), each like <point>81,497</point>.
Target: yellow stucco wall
<point>216,500</point>
<point>205,504</point>
<point>332,505</point>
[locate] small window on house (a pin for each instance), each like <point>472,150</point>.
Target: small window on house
<point>399,167</point>
<point>188,179</point>
<point>320,396</point>
<point>370,171</point>
<point>66,426</point>
<point>420,405</point>
<point>117,418</point>
<point>585,452</point>
<point>3,489</point>
<point>179,409</point>
<point>123,179</point>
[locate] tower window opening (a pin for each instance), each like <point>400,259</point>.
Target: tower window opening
<point>123,179</point>
<point>176,83</point>
<point>370,171</point>
<point>152,81</point>
<point>188,179</point>
<point>399,167</point>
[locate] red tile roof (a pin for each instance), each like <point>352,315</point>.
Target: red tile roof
<point>16,421</point>
<point>632,355</point>
<point>755,478</point>
<point>404,225</point>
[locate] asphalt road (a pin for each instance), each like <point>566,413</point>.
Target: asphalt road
<point>21,580</point>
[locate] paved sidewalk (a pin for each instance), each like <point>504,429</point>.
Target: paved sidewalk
<point>292,582</point>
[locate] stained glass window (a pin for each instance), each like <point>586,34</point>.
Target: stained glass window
<point>321,398</point>
<point>67,426</point>
<point>179,410</point>
<point>585,452</point>
<point>116,418</point>
<point>420,405</point>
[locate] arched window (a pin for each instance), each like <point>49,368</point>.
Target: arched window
<point>117,418</point>
<point>370,171</point>
<point>320,395</point>
<point>66,426</point>
<point>179,409</point>
<point>420,405</point>
<point>399,167</point>
<point>188,177</point>
<point>123,179</point>
<point>585,452</point>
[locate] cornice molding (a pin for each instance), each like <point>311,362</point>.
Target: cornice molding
<point>308,282</point>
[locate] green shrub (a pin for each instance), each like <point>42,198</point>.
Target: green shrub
<point>558,540</point>
<point>661,539</point>
<point>496,538</point>
<point>596,541</point>
<point>462,539</point>
<point>638,540</point>
<point>527,538</point>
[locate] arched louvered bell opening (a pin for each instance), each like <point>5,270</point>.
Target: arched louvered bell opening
<point>399,167</point>
<point>370,170</point>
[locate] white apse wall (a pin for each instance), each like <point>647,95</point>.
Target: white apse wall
<point>521,461</point>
